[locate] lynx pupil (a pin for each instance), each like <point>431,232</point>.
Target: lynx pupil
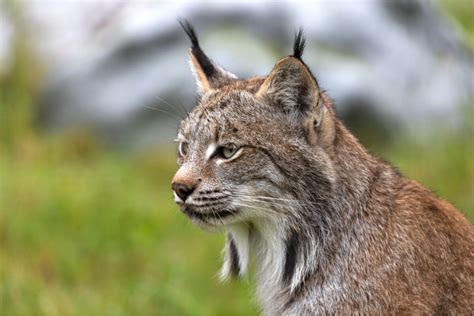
<point>228,151</point>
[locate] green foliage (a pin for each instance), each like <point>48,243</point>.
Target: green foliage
<point>100,235</point>
<point>18,86</point>
<point>462,12</point>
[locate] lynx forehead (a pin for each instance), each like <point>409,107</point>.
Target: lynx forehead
<point>332,229</point>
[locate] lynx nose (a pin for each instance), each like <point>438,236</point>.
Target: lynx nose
<point>182,190</point>
<point>184,183</point>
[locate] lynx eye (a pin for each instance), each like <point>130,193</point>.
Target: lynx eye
<point>228,151</point>
<point>183,149</point>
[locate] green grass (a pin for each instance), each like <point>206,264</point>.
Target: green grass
<point>86,231</point>
<point>100,235</point>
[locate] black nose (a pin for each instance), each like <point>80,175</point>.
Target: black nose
<point>182,190</point>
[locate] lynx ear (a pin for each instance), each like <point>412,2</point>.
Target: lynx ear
<point>208,74</point>
<point>291,87</point>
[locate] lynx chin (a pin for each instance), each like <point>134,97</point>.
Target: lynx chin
<point>329,228</point>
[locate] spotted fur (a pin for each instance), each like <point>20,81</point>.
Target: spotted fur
<point>331,228</point>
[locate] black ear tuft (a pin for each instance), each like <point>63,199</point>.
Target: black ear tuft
<point>203,60</point>
<point>189,29</point>
<point>299,44</point>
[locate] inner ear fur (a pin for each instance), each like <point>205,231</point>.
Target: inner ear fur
<point>319,127</point>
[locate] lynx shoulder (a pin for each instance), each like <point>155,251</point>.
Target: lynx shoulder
<point>330,228</point>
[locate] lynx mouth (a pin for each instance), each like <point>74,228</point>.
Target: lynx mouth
<point>206,215</point>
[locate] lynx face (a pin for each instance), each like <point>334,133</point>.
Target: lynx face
<point>242,149</point>
<point>225,154</point>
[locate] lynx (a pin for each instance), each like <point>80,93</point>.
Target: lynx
<point>329,228</point>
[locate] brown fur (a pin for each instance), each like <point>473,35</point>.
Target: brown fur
<point>333,229</point>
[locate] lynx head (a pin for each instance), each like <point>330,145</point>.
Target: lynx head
<point>253,149</point>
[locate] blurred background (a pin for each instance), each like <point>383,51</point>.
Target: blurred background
<point>90,96</point>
